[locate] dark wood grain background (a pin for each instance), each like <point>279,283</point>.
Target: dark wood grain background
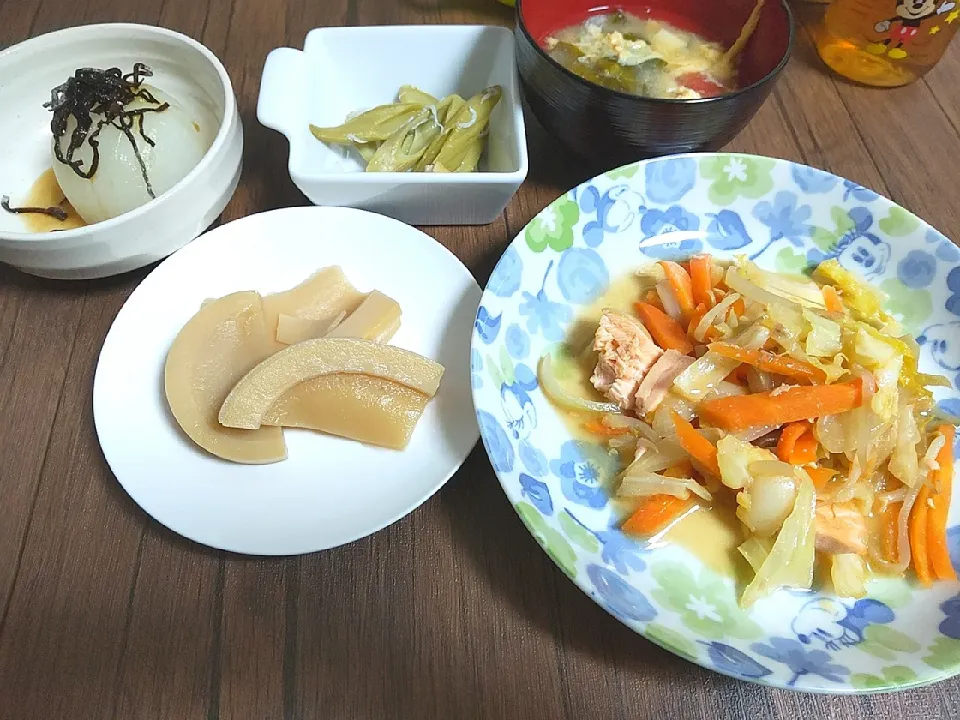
<point>453,612</point>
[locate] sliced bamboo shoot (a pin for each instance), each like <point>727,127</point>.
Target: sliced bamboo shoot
<point>359,407</point>
<point>377,318</point>
<point>260,389</point>
<point>292,329</point>
<point>215,349</point>
<point>321,297</point>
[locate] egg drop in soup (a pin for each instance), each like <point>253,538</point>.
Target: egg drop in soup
<point>648,58</point>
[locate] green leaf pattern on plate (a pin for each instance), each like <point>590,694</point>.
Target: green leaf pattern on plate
<point>913,307</point>
<point>705,602</point>
<point>735,176</point>
<point>899,222</point>
<point>553,228</point>
<point>892,676</point>
<point>577,533</point>
<point>552,541</point>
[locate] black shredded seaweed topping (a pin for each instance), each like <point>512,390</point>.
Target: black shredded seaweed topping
<point>54,211</point>
<point>94,99</point>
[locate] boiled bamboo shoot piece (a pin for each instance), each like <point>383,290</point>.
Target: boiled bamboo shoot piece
<point>217,347</point>
<point>377,318</point>
<point>259,390</point>
<point>320,298</point>
<point>359,407</point>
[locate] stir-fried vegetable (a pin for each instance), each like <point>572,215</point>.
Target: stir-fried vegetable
<point>797,402</point>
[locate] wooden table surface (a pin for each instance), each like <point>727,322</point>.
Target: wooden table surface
<point>453,612</point>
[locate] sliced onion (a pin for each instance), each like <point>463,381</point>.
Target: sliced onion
<point>671,306</point>
<point>723,389</point>
<point>755,433</point>
<point>717,311</point>
<point>758,380</point>
<point>868,383</point>
<point>552,389</point>
<point>903,538</point>
<point>618,420</point>
<point>646,484</point>
<point>752,291</point>
<point>655,458</point>
<point>929,460</point>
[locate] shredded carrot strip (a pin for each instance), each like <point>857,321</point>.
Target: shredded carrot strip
<point>653,514</point>
<point>937,550</point>
<point>831,299</point>
<point>918,537</point>
<point>776,364</point>
<point>679,280</point>
<point>698,312</point>
<point>780,406</point>
<point>739,307</point>
<point>666,331</point>
<point>698,447</point>
<point>701,280</point>
<point>889,532</point>
<point>819,475</point>
<point>596,427</point>
<point>793,448</point>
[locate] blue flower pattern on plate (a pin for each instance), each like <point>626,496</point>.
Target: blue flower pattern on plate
<point>822,643</point>
<point>545,316</point>
<point>917,269</point>
<point>488,326</point>
<point>582,275</point>
<point>800,660</point>
<point>621,599</point>
<point>534,461</point>
<point>668,181</point>
<point>517,342</point>
<point>813,181</point>
<point>953,285</point>
<point>582,469</point>
<point>858,192</point>
<point>726,231</point>
<point>537,492</point>
<point>505,279</point>
<point>495,439</point>
<point>729,660</point>
<point>785,219</point>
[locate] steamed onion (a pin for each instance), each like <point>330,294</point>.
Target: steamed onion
<point>552,388</point>
<point>645,484</point>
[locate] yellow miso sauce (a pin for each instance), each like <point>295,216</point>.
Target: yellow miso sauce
<point>711,533</point>
<point>45,192</point>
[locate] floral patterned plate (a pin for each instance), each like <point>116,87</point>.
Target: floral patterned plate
<point>786,217</point>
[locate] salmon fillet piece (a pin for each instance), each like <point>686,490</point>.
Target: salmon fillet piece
<point>658,380</point>
<point>626,353</point>
<point>840,529</point>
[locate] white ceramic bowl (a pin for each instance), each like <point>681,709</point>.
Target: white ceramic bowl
<point>344,69</point>
<point>184,69</point>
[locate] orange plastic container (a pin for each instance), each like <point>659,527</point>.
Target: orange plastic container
<point>886,42</point>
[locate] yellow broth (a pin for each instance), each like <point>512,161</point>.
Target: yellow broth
<point>711,533</point>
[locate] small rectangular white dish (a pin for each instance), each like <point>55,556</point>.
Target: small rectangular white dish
<point>345,69</point>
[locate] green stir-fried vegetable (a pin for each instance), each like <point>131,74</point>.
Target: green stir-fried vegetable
<point>419,132</point>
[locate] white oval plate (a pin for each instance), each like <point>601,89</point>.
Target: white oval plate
<point>329,491</point>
